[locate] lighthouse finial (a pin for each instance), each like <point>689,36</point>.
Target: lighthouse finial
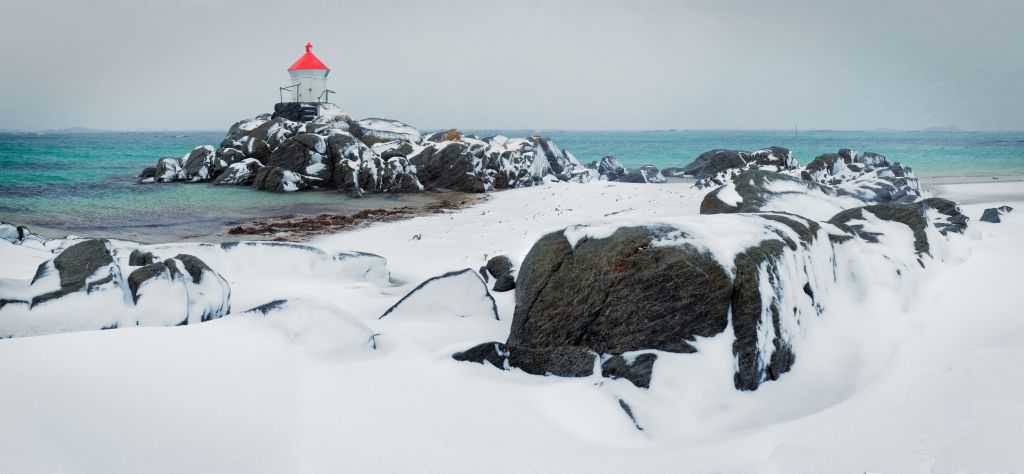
<point>309,46</point>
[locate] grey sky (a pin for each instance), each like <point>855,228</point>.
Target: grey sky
<point>199,64</point>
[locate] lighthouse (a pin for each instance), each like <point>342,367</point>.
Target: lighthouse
<point>308,79</point>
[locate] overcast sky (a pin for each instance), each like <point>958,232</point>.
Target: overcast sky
<point>202,65</point>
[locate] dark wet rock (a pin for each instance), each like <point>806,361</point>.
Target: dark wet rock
<point>139,258</point>
<point>562,361</point>
<point>994,214</point>
<point>493,352</point>
<point>637,370</point>
<point>504,283</point>
<point>499,265</point>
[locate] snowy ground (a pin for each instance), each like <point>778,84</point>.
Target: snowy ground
<point>930,385</point>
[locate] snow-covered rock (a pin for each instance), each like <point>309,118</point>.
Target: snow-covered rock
<point>382,130</point>
<point>178,291</point>
<point>239,174</point>
<point>85,288</point>
<point>461,294</point>
<point>320,327</point>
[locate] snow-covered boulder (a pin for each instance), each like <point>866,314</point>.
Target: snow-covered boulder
<point>608,168</point>
<point>563,164</point>
<point>200,163</point>
<point>178,291</point>
<point>303,154</point>
<point>657,286</point>
<point>460,294</point>
<point>715,167</point>
<point>242,173</point>
<point>84,288</point>
<point>758,190</point>
<point>279,180</point>
<point>254,260</point>
<point>168,169</point>
<point>320,327</point>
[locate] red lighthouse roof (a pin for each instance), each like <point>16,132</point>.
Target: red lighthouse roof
<point>309,61</point>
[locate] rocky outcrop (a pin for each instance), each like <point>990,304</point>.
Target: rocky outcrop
<point>373,155</point>
<point>715,167</point>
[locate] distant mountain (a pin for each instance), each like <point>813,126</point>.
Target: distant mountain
<point>945,128</point>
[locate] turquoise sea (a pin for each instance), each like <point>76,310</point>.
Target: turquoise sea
<point>84,183</point>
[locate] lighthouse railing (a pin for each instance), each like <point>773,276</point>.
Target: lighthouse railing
<point>288,88</point>
<point>325,96</point>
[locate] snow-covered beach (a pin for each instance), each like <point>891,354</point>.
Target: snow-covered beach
<point>912,379</point>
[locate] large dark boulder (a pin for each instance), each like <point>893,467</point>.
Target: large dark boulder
<point>618,294</point>
<point>625,293</point>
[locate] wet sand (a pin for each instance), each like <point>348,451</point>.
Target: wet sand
<point>289,221</point>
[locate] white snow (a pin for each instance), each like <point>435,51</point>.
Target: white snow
<point>916,372</point>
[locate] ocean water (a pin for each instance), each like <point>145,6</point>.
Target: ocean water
<point>84,183</point>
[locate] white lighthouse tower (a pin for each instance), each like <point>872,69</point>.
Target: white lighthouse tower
<point>308,78</point>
